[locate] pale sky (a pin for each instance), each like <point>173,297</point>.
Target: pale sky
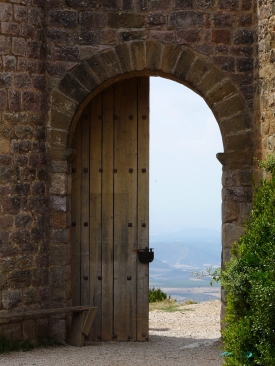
<point>185,175</point>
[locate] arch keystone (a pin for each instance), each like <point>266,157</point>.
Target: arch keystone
<point>153,55</point>
<point>138,52</point>
<point>110,60</point>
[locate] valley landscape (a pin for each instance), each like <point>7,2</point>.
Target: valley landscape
<point>179,253</point>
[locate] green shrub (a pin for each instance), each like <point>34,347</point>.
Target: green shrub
<point>249,283</point>
<point>156,295</point>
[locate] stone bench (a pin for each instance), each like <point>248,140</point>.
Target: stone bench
<point>81,323</point>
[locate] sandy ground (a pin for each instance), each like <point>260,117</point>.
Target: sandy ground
<point>189,337</point>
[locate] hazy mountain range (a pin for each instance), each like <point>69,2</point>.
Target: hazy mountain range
<point>188,248</point>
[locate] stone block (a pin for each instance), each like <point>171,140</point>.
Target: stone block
<point>198,69</point>
<point>59,235</point>
<point>92,19</point>
<point>73,89</point>
<point>231,233</point>
<point>162,36</point>
<point>183,4</point>
<point>226,63</point>
<point>245,65</point>
<point>58,183</point>
<point>19,279</point>
<point>82,4</point>
<point>138,54</point>
<point>63,104</point>
<point>11,205</point>
<point>221,91</point>
<point>221,36</point>
<point>189,36</point>
<point>88,37</point>
<point>111,63</point>
<point>38,188</point>
<point>23,220</point>
<point>125,20</point>
<point>123,53</point>
<point>63,18</point>
<point>142,5</point>
<point>11,28</point>
<point>132,35</point>
<point>59,255</point>
<point>228,4</point>
<point>59,220</point>
<point>87,79</point>
<point>21,80</point>
<point>109,36</point>
<point>223,20</point>
<point>238,194</point>
<point>184,63</point>
<point>245,212</point>
<point>59,166</point>
<point>5,12</point>
<point>153,55</point>
<point>66,53</point>
<point>5,45</point>
<point>156,19</point>
<point>160,4</point>
<point>244,36</point>
<point>185,19</point>
<point>6,221</point>
<point>96,65</point>
<point>59,203</point>
<point>4,146</point>
<point>3,99</point>
<point>11,298</point>
<point>169,58</point>
<point>240,142</point>
<point>58,138</point>
<point>205,4</point>
<point>230,107</point>
<point>236,124</point>
<point>230,211</point>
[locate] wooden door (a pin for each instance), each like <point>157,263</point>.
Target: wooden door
<point>110,210</point>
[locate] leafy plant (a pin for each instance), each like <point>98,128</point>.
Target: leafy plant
<point>208,272</point>
<point>249,283</point>
<point>156,295</point>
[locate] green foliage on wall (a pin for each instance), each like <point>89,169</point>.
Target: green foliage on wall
<point>249,283</point>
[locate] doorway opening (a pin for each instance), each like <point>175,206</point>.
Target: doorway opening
<point>185,191</point>
<point>110,208</point>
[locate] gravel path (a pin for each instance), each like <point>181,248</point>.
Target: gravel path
<point>189,337</point>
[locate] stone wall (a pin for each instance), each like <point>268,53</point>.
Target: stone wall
<point>56,54</point>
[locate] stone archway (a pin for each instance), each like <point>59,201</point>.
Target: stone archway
<point>178,63</point>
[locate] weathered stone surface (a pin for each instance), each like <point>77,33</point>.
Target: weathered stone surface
<point>231,233</point>
<point>11,298</point>
<point>58,184</point>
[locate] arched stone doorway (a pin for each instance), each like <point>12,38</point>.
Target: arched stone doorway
<point>181,64</point>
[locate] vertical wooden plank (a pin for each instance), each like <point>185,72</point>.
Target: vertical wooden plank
<point>143,208</point>
<point>125,202</point>
<point>95,213</point>
<point>75,215</point>
<point>107,215</point>
<point>85,240</point>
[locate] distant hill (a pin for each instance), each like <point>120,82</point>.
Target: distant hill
<point>187,248</point>
<point>176,254</point>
